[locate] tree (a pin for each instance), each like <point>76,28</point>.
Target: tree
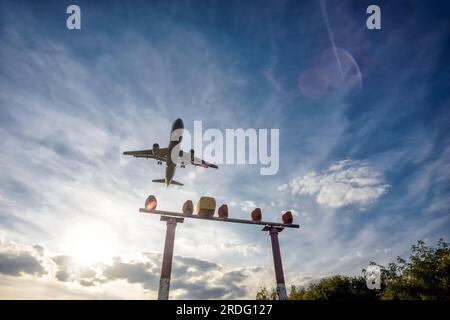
<point>297,294</point>
<point>340,288</point>
<point>263,294</point>
<point>425,276</point>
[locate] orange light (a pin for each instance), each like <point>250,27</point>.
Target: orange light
<point>287,217</point>
<point>150,203</point>
<point>256,214</point>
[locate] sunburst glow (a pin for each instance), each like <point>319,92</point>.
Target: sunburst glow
<point>90,243</point>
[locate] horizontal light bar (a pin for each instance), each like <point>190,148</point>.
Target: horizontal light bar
<point>182,215</point>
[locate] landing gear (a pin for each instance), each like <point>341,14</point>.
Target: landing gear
<point>159,162</point>
<point>182,165</point>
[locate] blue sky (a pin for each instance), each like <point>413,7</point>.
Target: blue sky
<point>364,157</point>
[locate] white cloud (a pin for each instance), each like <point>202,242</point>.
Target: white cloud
<point>345,182</point>
<point>248,206</point>
<point>245,249</point>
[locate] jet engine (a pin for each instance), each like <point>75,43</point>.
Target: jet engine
<point>155,149</point>
<point>182,156</point>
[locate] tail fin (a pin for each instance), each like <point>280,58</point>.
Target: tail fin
<point>171,182</point>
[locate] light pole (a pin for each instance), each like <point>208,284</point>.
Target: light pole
<point>278,266</point>
<point>166,269</point>
<point>172,218</point>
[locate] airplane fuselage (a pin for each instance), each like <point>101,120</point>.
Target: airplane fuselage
<point>176,135</point>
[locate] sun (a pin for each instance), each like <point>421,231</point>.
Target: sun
<point>89,244</point>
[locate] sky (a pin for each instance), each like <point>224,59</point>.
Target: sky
<point>364,141</point>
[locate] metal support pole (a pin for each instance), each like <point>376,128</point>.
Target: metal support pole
<point>166,270</point>
<point>279,276</point>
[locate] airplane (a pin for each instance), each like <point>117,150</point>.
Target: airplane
<point>165,155</point>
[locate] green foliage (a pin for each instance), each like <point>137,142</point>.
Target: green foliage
<point>263,294</point>
<point>425,276</point>
<point>340,288</point>
<point>297,293</point>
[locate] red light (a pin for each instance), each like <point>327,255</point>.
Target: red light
<point>150,203</point>
<point>287,217</point>
<point>256,214</point>
<point>223,211</point>
<point>188,207</point>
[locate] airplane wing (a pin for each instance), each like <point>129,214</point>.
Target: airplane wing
<point>202,163</point>
<point>160,155</point>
